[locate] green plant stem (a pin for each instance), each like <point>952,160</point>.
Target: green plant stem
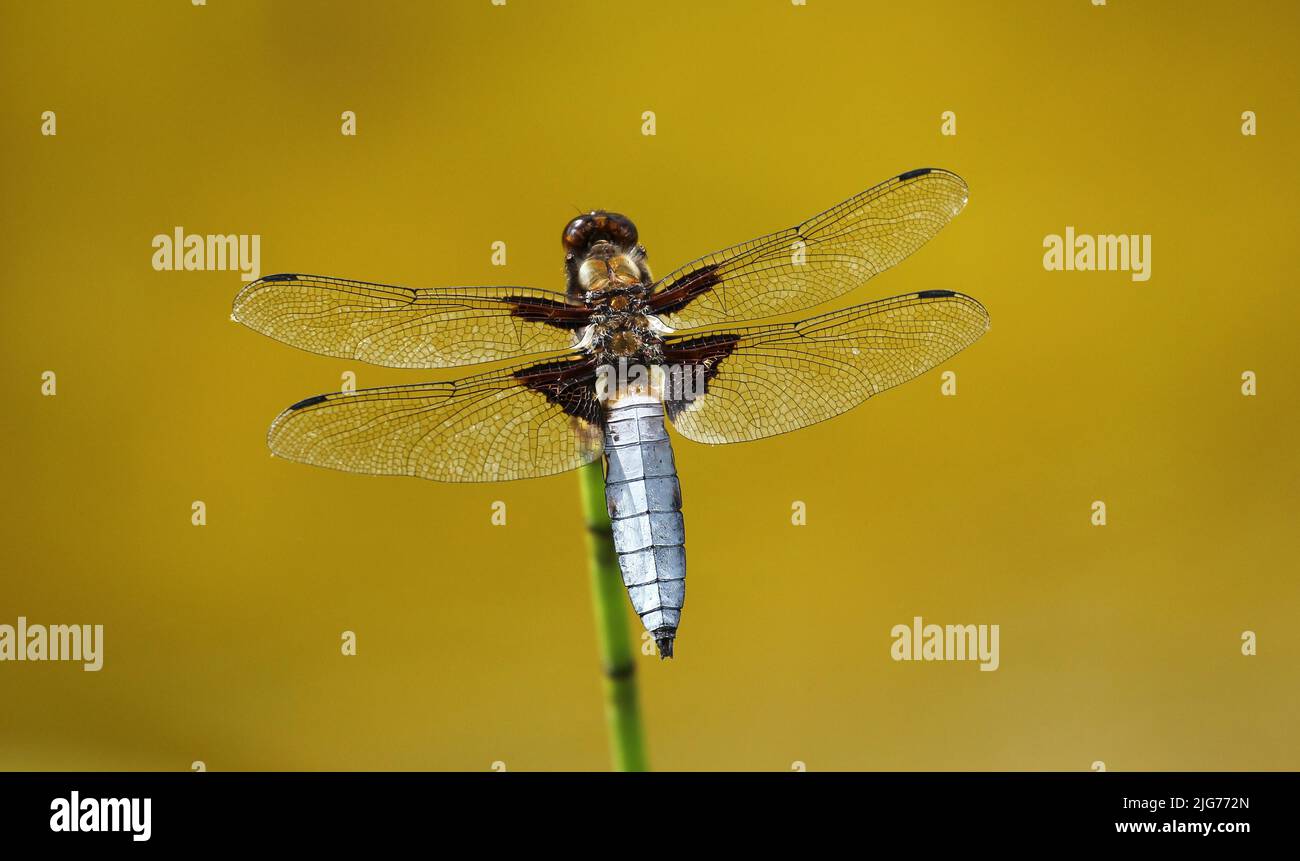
<point>617,655</point>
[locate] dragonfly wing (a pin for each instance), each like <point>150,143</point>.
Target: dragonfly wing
<point>401,327</point>
<point>764,380</point>
<point>825,257</point>
<point>522,422</point>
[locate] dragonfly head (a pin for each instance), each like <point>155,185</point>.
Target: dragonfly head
<point>602,255</point>
<point>586,230</point>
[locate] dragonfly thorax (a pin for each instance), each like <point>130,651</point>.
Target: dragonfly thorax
<point>622,328</point>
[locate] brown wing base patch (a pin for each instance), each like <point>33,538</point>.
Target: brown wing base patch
<point>696,357</point>
<point>549,312</point>
<point>570,384</point>
<point>685,290</point>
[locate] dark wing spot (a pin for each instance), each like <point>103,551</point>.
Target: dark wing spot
<point>913,174</point>
<point>686,359</point>
<point>283,276</point>
<point>559,314</point>
<point>569,383</point>
<point>312,401</point>
<point>935,294</point>
<point>684,290</point>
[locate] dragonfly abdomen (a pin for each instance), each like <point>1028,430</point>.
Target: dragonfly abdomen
<point>645,512</point>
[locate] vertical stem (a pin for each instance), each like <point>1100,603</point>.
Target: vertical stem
<point>617,654</point>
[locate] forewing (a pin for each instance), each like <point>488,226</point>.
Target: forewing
<point>522,422</point>
<point>764,380</point>
<point>401,327</point>
<point>826,256</point>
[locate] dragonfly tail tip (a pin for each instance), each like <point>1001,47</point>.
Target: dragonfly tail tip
<point>665,643</point>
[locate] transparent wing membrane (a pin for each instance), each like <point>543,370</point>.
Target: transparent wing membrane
<point>823,258</point>
<point>522,422</point>
<point>544,416</point>
<point>766,380</point>
<point>401,327</point>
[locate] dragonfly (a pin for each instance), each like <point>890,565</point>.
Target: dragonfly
<point>601,369</point>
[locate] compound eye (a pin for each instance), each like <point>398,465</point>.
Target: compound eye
<point>585,230</point>
<point>621,230</point>
<point>577,232</point>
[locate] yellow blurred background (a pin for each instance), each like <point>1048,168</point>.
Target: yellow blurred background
<point>478,123</point>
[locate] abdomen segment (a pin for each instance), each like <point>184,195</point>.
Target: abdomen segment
<point>645,512</point>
